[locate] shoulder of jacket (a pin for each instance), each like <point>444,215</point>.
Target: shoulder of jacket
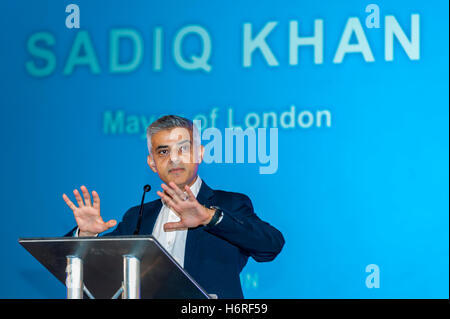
<point>231,197</point>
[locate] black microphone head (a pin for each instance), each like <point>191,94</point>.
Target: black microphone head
<point>147,188</point>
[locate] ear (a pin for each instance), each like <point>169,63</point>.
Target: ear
<point>151,163</point>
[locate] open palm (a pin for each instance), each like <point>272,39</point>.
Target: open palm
<point>87,215</point>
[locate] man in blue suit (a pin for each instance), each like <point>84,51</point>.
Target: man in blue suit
<point>210,233</point>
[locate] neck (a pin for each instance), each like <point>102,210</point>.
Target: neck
<point>188,184</point>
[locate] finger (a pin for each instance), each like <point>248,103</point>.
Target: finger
<point>190,193</point>
<point>78,198</point>
<point>167,199</point>
<point>86,195</point>
<point>171,193</point>
<point>169,202</point>
<point>69,202</point>
<point>96,200</point>
<point>174,226</point>
<point>177,190</point>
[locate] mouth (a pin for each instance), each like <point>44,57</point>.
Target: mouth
<point>176,170</point>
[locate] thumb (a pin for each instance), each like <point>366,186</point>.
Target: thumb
<point>173,226</point>
<point>111,223</point>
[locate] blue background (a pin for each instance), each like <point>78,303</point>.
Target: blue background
<point>370,189</point>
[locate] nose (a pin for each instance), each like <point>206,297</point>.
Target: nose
<point>174,156</point>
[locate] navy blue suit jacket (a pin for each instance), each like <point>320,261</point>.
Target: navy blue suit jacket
<point>215,255</point>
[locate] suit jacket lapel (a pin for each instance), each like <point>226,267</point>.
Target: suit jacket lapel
<point>204,195</point>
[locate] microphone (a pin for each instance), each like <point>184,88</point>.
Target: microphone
<point>147,188</point>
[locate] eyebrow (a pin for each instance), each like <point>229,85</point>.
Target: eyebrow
<point>167,146</point>
<point>184,142</point>
<point>161,147</point>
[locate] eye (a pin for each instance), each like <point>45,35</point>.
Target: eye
<point>163,152</point>
<point>185,148</point>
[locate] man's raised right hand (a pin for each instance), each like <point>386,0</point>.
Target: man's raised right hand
<point>87,215</point>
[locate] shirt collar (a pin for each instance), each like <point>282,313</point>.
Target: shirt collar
<point>195,188</point>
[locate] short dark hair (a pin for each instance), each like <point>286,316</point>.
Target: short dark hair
<point>167,122</point>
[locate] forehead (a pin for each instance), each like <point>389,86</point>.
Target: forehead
<point>171,136</point>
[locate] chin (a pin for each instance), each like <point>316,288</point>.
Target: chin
<point>179,179</point>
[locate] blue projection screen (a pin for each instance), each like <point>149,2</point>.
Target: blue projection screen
<point>350,98</point>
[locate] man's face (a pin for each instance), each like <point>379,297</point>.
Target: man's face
<point>173,156</point>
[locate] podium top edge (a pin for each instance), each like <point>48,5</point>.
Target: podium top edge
<point>105,238</point>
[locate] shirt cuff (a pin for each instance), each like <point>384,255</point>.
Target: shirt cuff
<point>77,233</point>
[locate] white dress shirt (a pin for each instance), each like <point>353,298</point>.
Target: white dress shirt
<point>173,241</point>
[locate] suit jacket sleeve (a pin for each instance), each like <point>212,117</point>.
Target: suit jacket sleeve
<point>243,228</point>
